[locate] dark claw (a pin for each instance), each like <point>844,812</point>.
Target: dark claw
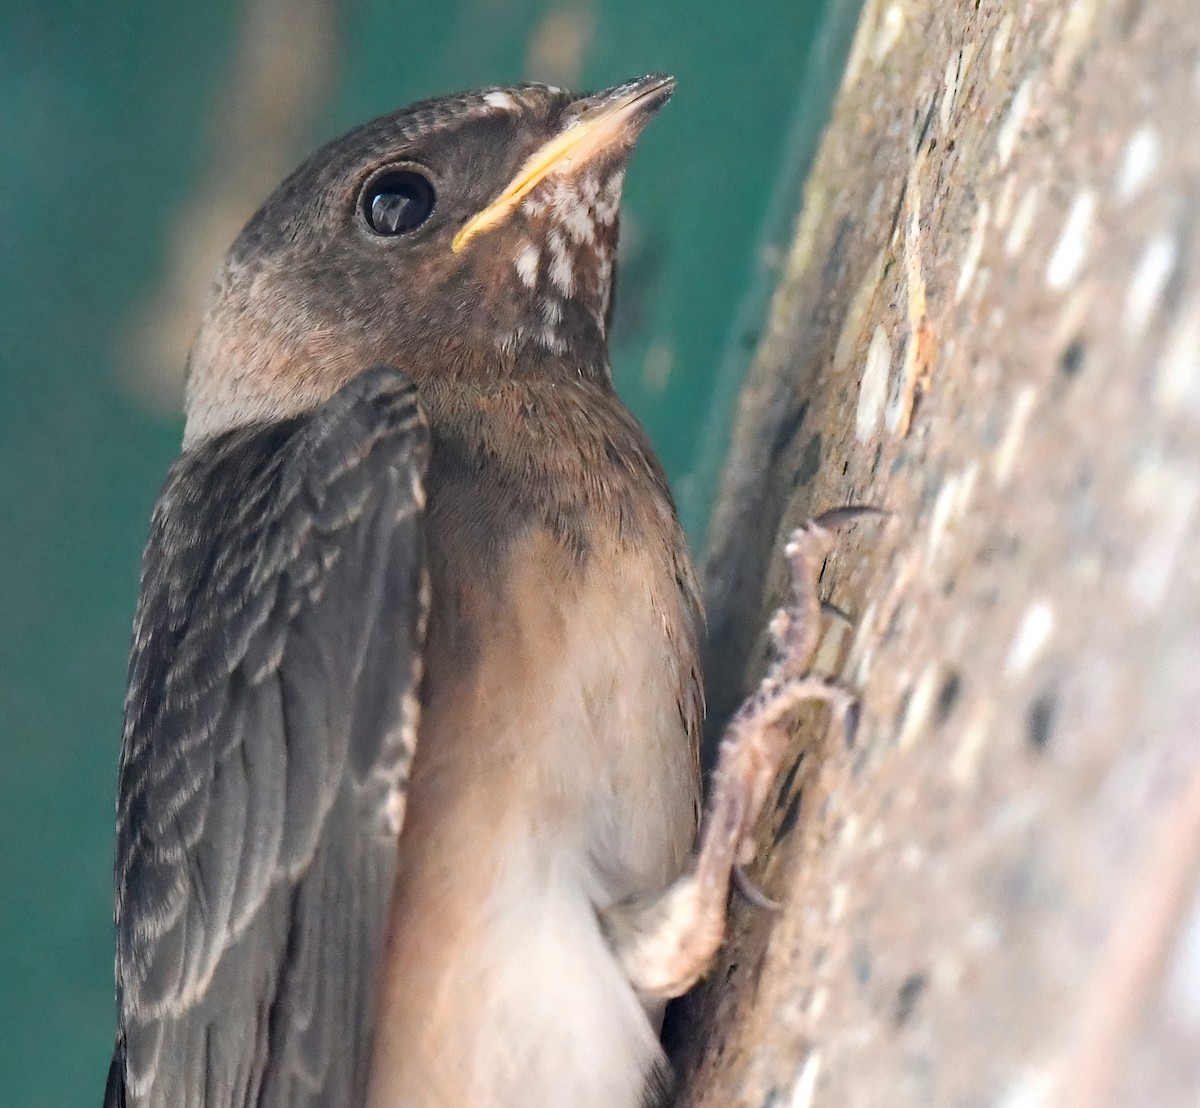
<point>831,609</point>
<point>751,893</point>
<point>847,514</point>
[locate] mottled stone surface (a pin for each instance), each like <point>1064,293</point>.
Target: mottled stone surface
<point>989,323</point>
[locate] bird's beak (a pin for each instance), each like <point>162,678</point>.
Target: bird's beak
<point>596,123</point>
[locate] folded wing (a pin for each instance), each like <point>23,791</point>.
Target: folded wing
<point>270,722</point>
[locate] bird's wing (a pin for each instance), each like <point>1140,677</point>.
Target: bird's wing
<point>269,726</point>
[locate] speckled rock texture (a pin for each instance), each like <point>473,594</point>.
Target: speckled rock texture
<point>988,323</point>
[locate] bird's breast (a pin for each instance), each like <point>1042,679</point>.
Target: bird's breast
<point>554,775</point>
<point>554,687</point>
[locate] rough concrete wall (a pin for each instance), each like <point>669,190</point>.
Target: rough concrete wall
<point>989,323</point>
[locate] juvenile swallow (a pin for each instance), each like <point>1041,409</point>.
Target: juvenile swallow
<point>409,785</point>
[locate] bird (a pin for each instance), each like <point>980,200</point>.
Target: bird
<point>409,785</point>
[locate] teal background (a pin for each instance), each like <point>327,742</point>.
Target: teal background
<point>107,119</point>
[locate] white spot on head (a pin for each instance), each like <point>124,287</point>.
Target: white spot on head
<point>501,100</point>
<point>1031,638</point>
<point>1139,163</point>
<point>974,250</point>
<point>1010,129</point>
<point>1072,247</point>
<point>561,273</point>
<point>873,388</point>
<point>1154,269</point>
<point>527,264</point>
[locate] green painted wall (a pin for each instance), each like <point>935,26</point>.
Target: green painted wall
<point>106,124</point>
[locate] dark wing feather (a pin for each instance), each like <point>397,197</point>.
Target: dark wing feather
<point>269,725</point>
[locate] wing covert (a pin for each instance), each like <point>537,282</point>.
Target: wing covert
<point>270,721</point>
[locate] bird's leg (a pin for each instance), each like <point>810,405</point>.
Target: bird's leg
<point>667,941</point>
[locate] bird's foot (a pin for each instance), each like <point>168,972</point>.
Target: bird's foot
<point>666,942</point>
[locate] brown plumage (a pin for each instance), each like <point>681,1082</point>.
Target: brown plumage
<point>409,771</point>
<point>554,771</point>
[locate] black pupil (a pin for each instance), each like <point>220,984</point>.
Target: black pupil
<point>399,202</point>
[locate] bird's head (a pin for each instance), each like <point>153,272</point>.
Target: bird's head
<point>472,235</point>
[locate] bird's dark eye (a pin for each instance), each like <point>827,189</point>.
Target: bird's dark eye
<point>398,201</point>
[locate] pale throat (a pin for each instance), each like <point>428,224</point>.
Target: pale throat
<point>565,254</point>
